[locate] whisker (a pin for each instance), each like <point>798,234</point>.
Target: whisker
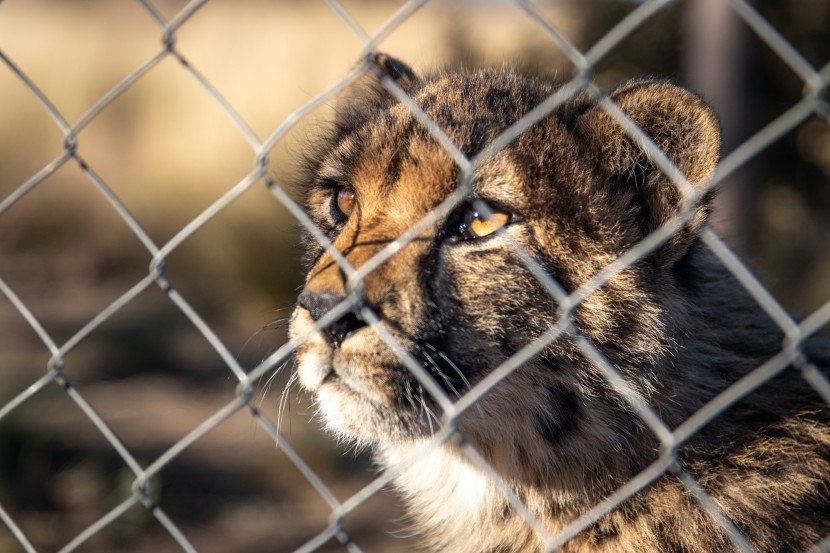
<point>270,381</point>
<point>273,325</point>
<point>437,370</point>
<point>284,400</point>
<point>426,411</point>
<point>408,394</point>
<point>457,370</point>
<point>452,365</point>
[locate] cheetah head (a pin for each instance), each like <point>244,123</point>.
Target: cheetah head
<point>385,323</point>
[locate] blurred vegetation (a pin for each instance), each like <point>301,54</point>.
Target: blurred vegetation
<point>167,150</point>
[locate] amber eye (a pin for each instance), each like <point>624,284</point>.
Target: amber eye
<point>344,201</point>
<point>479,221</point>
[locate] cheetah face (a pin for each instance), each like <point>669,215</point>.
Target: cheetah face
<point>430,305</point>
<point>386,324</point>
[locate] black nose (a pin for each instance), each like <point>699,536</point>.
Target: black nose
<point>320,304</point>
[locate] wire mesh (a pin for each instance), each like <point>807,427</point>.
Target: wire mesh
<point>142,471</point>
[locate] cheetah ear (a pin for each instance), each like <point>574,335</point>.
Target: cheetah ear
<point>687,132</point>
<point>367,95</point>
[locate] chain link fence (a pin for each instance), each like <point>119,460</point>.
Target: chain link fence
<point>142,474</point>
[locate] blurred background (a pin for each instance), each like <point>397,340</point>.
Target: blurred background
<point>167,150</point>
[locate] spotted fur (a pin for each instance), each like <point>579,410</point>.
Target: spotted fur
<point>674,324</point>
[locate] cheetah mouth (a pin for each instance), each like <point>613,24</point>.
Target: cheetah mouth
<point>366,389</point>
<point>352,371</point>
<point>342,379</point>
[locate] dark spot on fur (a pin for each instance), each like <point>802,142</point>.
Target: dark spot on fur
<point>663,533</point>
<point>562,416</point>
<point>550,361</point>
<point>604,530</point>
<point>572,112</point>
<point>638,206</point>
<point>521,454</point>
<point>686,274</point>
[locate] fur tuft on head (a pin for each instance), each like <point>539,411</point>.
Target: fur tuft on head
<point>360,101</point>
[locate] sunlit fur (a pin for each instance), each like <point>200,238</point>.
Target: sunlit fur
<point>674,324</point>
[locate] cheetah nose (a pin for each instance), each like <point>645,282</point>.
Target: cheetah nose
<point>320,304</point>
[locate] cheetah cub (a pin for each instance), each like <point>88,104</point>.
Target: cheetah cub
<point>574,192</point>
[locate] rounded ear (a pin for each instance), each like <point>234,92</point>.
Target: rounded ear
<point>367,95</point>
<point>684,128</point>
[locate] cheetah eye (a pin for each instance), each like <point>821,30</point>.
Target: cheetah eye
<point>481,219</point>
<point>344,201</point>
